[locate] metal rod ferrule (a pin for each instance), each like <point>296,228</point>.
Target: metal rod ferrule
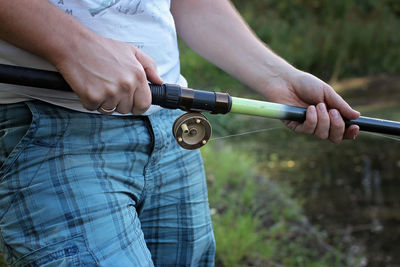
<point>176,97</point>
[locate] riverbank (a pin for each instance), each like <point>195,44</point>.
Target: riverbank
<point>257,223</point>
<point>347,190</point>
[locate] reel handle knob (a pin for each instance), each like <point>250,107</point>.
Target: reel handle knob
<point>192,130</point>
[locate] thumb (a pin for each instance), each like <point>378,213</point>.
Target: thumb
<point>335,101</point>
<point>149,67</point>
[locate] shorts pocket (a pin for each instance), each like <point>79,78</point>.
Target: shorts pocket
<point>72,252</point>
<point>17,128</point>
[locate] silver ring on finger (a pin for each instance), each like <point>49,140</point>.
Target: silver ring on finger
<point>106,111</point>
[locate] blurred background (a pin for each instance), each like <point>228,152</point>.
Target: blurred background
<point>281,199</point>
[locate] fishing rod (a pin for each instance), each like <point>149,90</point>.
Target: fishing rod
<point>192,130</point>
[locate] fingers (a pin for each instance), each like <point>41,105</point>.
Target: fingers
<point>351,132</point>
<point>339,109</point>
<point>335,101</point>
<point>149,67</point>
<point>111,77</point>
<point>142,99</point>
<point>324,124</point>
<point>108,107</point>
<point>330,124</point>
<point>308,126</point>
<point>133,92</point>
<point>337,125</point>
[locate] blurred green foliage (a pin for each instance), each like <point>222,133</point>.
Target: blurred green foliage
<point>255,221</point>
<point>2,261</point>
<point>331,39</point>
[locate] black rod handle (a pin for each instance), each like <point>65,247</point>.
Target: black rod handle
<point>167,95</point>
<point>33,78</point>
<point>368,124</point>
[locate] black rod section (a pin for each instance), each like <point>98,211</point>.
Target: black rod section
<point>366,124</point>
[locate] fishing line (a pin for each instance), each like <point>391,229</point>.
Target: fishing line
<point>383,136</point>
<point>246,133</point>
<point>280,127</point>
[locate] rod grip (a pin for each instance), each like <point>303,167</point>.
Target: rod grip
<point>53,80</point>
<point>33,78</point>
<point>376,125</point>
<point>366,124</point>
<point>169,96</point>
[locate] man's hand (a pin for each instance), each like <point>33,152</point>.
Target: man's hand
<point>103,72</point>
<point>216,31</point>
<point>325,107</point>
<point>110,74</point>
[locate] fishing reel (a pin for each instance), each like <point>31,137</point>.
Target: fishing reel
<point>192,130</point>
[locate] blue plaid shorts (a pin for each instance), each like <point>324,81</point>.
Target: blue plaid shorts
<point>79,189</point>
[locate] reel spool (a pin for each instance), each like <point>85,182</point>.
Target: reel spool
<point>192,130</point>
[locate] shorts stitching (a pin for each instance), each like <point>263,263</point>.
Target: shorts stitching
<point>62,253</point>
<point>50,245</point>
<point>20,146</point>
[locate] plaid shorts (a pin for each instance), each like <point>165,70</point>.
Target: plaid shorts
<point>79,189</point>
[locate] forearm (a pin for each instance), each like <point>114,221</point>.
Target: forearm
<point>41,28</point>
<point>103,72</point>
<point>215,30</point>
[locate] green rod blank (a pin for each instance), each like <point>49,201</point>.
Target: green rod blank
<point>267,109</point>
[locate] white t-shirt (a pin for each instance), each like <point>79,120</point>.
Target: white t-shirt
<point>148,24</point>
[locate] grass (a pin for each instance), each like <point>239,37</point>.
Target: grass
<point>324,179</point>
<point>256,223</point>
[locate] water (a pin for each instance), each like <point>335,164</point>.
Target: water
<point>350,190</point>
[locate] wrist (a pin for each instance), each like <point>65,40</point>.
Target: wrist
<point>62,49</point>
<point>274,73</point>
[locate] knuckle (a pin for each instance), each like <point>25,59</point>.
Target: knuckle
<point>88,106</point>
<point>142,106</point>
<point>339,123</point>
<point>322,136</point>
<point>111,92</point>
<point>126,84</point>
<point>123,110</point>
<point>139,74</point>
<point>152,63</point>
<point>92,99</point>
